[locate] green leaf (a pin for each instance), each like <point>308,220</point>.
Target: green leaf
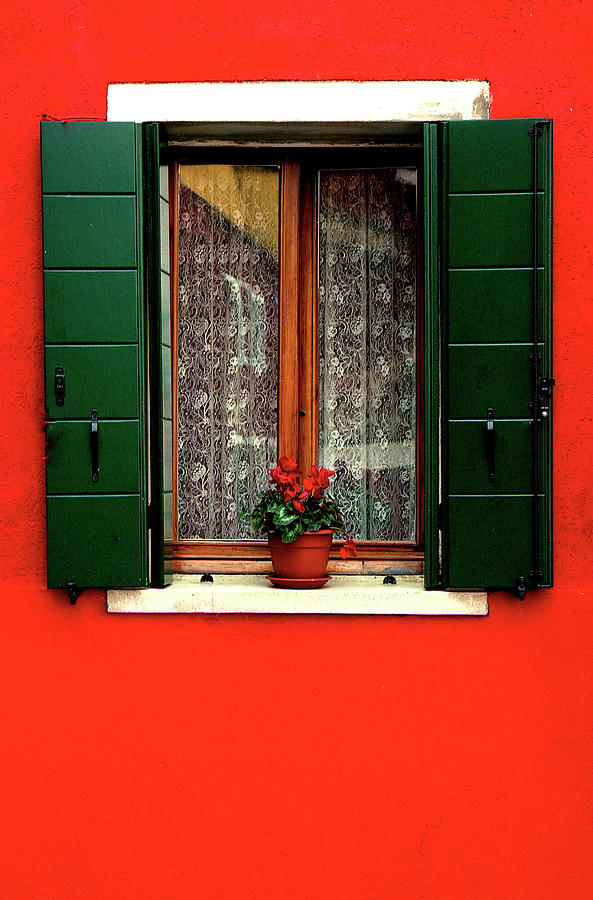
<point>292,532</point>
<point>284,516</point>
<point>312,524</point>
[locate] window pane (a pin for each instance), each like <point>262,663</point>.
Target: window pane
<point>367,347</point>
<point>227,344</point>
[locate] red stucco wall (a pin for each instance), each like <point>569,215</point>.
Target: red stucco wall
<point>252,757</point>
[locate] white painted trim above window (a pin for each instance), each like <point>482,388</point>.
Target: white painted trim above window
<point>299,101</point>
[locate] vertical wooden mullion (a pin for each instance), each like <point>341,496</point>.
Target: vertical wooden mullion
<point>308,324</point>
<point>288,392</point>
<point>174,253</point>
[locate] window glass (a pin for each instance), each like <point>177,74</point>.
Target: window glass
<point>227,366</point>
<point>367,244</point>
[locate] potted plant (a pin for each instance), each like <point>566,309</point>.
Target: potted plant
<point>300,519</point>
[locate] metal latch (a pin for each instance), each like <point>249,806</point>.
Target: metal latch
<point>60,385</point>
<point>490,444</point>
<point>545,386</point>
<point>95,446</point>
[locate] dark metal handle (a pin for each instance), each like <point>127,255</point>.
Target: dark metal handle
<point>490,439</point>
<point>95,445</point>
<point>60,385</point>
<point>545,392</point>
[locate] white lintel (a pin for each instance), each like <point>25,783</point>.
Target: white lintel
<point>299,101</point>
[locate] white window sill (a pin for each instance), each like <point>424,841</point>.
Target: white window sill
<point>345,595</point>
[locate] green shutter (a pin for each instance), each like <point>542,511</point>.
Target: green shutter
<point>495,345</point>
<point>94,347</point>
<point>157,284</point>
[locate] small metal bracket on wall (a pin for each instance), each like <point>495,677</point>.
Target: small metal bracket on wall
<point>73,592</point>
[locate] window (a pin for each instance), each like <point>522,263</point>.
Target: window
<point>297,310</point>
<point>485,407</point>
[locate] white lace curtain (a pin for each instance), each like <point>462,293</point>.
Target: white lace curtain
<point>228,345</point>
<point>367,347</point>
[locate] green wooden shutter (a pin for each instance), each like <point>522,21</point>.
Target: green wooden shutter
<point>496,355</point>
<point>94,354</point>
<point>158,290</point>
<point>431,359</point>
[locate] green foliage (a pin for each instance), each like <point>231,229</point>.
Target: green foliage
<point>272,514</point>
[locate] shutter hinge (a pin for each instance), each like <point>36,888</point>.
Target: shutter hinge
<point>529,582</point>
<point>73,592</point>
<point>521,587</point>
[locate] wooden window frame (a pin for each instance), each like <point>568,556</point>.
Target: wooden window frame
<point>298,314</point>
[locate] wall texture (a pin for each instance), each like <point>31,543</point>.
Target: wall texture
<point>282,757</point>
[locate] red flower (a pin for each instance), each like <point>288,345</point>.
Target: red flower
<point>287,475</point>
<point>317,481</point>
<point>311,487</point>
<point>287,464</point>
<point>278,476</point>
<point>324,476</point>
<point>298,506</point>
<point>348,549</point>
<point>292,488</point>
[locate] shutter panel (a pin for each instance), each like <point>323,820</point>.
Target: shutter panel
<point>158,292</point>
<point>496,357</point>
<point>94,356</point>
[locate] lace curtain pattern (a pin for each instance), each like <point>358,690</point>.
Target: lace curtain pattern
<point>227,345</point>
<point>367,347</point>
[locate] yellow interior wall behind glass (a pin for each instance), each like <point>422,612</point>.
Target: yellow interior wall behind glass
<point>229,189</point>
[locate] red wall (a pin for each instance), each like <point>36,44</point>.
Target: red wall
<point>255,757</point>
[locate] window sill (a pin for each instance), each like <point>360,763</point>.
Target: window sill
<point>343,595</point>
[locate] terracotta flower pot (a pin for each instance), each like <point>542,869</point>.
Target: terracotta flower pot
<point>304,558</point>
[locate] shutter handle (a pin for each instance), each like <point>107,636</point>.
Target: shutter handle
<point>95,445</point>
<point>490,439</point>
<point>60,385</point>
